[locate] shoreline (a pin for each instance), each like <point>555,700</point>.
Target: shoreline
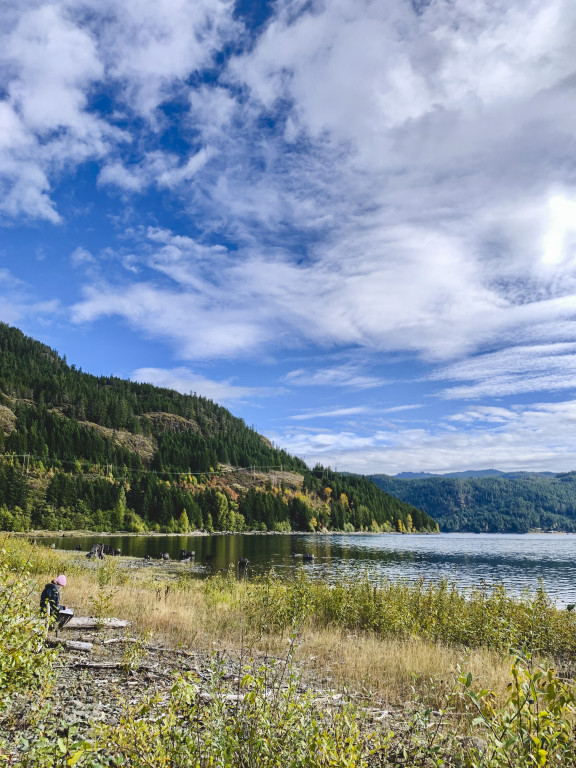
<point>155,534</point>
<point>43,534</point>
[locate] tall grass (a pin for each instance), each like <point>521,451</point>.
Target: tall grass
<point>483,617</point>
<point>391,637</point>
<point>399,642</point>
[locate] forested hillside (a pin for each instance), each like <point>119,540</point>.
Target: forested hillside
<point>84,452</point>
<point>503,504</point>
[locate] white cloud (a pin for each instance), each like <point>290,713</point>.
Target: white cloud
<point>8,279</point>
<point>334,413</point>
<point>272,300</point>
<point>339,376</point>
<point>127,179</point>
<point>512,371</point>
<point>386,179</point>
<point>187,171</point>
<point>54,62</point>
<point>186,381</point>
<point>52,57</point>
<point>535,437</point>
<point>400,408</point>
<point>81,257</point>
<point>161,169</point>
<point>197,330</point>
<point>152,47</point>
<point>47,65</point>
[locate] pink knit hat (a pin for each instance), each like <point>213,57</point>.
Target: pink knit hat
<point>61,580</point>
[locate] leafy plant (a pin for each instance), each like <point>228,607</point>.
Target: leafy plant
<point>134,652</point>
<point>54,747</point>
<point>102,603</point>
<point>535,727</point>
<point>264,720</point>
<point>25,662</point>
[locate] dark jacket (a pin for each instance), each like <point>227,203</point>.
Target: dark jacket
<point>50,596</point>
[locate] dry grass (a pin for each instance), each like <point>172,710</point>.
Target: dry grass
<point>396,670</point>
<point>184,612</point>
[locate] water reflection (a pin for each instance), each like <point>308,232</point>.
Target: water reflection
<point>519,561</point>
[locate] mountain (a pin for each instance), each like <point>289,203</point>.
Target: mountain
<point>467,473</point>
<point>84,452</point>
<point>513,502</point>
<point>471,473</point>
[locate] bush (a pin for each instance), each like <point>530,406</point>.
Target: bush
<point>435,611</point>
<point>265,720</point>
<point>25,662</point>
<point>535,727</point>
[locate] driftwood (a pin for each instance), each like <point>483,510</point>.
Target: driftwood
<point>90,622</point>
<point>114,665</point>
<point>73,645</point>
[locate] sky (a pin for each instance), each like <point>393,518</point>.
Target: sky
<point>351,222</point>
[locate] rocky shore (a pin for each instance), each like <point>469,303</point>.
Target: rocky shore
<point>119,672</point>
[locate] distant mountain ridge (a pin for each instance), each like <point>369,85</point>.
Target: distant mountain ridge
<point>84,452</point>
<point>490,500</point>
<point>472,473</point>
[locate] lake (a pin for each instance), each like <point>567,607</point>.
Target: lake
<point>517,560</point>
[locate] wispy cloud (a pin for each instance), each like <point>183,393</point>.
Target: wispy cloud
<point>410,215</point>
<point>337,376</point>
<point>9,280</point>
<point>334,413</point>
<point>256,217</point>
<point>512,371</point>
<point>187,382</point>
<point>81,257</point>
<point>538,437</point>
<point>400,408</point>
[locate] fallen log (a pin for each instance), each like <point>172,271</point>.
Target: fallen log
<point>73,645</point>
<point>91,622</point>
<point>118,666</point>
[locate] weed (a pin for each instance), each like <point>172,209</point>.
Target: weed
<point>25,662</point>
<point>102,602</point>
<point>535,727</point>
<point>266,720</point>
<point>134,652</point>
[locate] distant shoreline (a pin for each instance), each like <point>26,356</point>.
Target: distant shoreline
<point>156,534</point>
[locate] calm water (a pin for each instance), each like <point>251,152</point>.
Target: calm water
<point>517,560</point>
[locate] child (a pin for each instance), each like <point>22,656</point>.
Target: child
<point>50,601</point>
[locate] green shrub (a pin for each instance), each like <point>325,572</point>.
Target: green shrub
<point>535,727</point>
<point>437,611</point>
<point>25,662</point>
<point>264,720</point>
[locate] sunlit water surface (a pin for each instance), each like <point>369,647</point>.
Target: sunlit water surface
<point>519,561</point>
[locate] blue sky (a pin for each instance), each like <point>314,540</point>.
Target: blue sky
<point>353,223</point>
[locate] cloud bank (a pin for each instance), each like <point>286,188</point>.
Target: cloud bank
<point>394,177</point>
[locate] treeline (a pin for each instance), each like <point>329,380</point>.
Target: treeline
<point>33,498</point>
<point>491,504</point>
<point>100,453</point>
<point>356,503</point>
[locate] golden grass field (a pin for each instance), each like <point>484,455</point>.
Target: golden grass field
<point>177,609</point>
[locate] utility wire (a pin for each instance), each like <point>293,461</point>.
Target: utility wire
<point>110,468</point>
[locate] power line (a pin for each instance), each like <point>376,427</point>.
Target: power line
<point>111,469</point>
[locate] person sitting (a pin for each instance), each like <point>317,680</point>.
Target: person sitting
<point>50,602</point>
